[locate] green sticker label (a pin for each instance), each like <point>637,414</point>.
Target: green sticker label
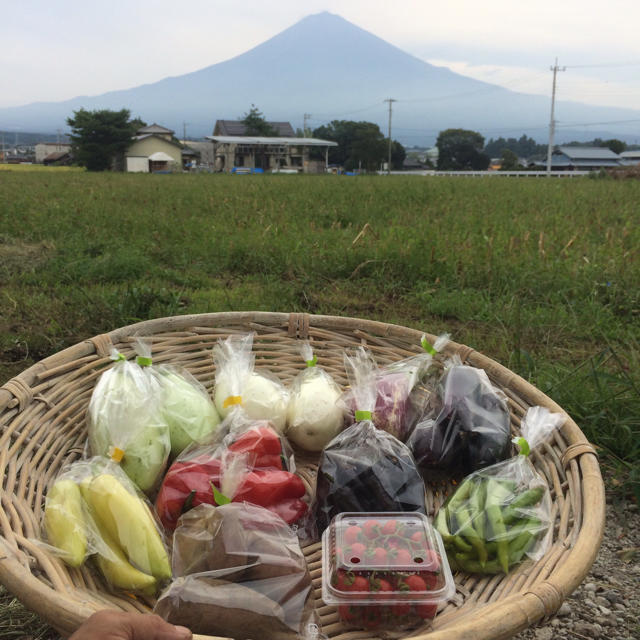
<point>313,362</point>
<point>522,445</point>
<point>427,346</point>
<point>144,361</point>
<point>363,415</point>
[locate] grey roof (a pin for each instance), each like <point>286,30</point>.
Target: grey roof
<point>238,128</point>
<point>174,142</point>
<point>588,153</point>
<point>262,140</point>
<point>154,128</point>
<point>631,154</point>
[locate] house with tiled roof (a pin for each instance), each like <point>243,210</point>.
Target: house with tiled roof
<point>238,128</point>
<point>584,159</point>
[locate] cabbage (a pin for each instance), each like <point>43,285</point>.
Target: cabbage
<point>123,414</point>
<point>188,410</point>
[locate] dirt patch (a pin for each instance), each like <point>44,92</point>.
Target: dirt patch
<point>16,257</point>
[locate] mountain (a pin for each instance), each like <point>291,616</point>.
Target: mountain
<point>332,69</point>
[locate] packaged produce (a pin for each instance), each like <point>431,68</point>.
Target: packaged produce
<point>261,395</point>
<point>240,573</point>
<point>248,465</point>
<point>501,515</point>
<point>186,407</point>
<point>465,427</point>
<point>385,571</point>
<point>314,416</point>
<point>93,510</point>
<point>363,468</point>
<point>125,421</point>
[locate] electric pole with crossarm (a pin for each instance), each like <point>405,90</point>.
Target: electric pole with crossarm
<point>552,122</point>
<point>390,101</point>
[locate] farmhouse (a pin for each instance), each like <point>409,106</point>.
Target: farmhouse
<point>44,149</point>
<point>584,159</point>
<point>631,157</point>
<point>234,151</point>
<point>154,149</point>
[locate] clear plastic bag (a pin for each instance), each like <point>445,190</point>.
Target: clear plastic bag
<point>465,427</point>
<point>186,407</point>
<point>240,573</point>
<point>251,463</point>
<point>398,405</point>
<point>93,510</point>
<point>314,415</point>
<point>125,422</point>
<point>501,515</point>
<point>363,468</point>
<point>260,393</point>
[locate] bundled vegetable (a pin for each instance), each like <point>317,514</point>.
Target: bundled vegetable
<point>240,573</point>
<point>93,510</point>
<point>501,515</point>
<point>363,468</point>
<point>466,426</point>
<point>187,408</point>
<point>261,395</point>
<point>126,423</point>
<point>314,416</point>
<point>398,403</point>
<point>247,466</point>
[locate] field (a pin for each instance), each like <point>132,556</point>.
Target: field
<point>540,275</point>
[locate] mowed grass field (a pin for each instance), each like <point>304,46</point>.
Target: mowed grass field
<point>542,275</point>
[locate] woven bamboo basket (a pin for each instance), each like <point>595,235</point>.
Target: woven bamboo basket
<point>42,429</point>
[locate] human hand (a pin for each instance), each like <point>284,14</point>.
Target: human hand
<point>109,624</point>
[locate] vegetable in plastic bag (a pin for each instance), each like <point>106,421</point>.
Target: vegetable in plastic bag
<point>314,416</point>
<point>246,466</point>
<point>364,468</point>
<point>125,422</point>
<point>262,395</point>
<point>187,408</point>
<point>93,510</point>
<point>467,426</point>
<point>501,515</point>
<point>240,573</point>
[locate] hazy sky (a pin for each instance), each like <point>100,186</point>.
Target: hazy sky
<point>57,49</point>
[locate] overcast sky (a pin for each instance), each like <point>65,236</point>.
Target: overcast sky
<point>58,49</point>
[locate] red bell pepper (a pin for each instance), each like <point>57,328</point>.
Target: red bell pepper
<point>189,483</point>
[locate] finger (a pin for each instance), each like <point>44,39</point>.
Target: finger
<point>153,627</point>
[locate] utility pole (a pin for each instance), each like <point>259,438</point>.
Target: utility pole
<point>390,101</point>
<point>184,130</point>
<point>304,126</point>
<point>552,122</point>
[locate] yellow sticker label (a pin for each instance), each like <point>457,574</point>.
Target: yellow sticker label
<point>231,400</point>
<point>117,454</point>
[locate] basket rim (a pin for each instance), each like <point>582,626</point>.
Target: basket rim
<point>499,619</point>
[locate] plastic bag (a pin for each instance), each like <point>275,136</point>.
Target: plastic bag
<point>186,407</point>
<point>501,515</point>
<point>252,463</point>
<point>398,406</point>
<point>466,426</point>
<point>94,510</point>
<point>314,416</point>
<point>261,394</point>
<point>125,422</point>
<point>240,573</point>
<point>364,468</point>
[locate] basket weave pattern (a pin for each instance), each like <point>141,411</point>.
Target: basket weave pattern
<point>42,429</point>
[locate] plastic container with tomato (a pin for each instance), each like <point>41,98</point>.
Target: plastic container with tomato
<point>384,570</point>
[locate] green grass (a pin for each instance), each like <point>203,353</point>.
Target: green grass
<point>541,275</point>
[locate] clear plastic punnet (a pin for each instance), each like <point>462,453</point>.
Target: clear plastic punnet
<point>384,571</point>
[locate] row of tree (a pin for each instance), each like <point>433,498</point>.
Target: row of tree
<point>97,137</point>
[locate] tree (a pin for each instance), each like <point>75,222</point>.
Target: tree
<point>256,125</point>
<point>99,137</point>
<point>509,161</point>
<point>460,149</point>
<point>617,146</point>
<point>398,154</point>
<point>360,144</point>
